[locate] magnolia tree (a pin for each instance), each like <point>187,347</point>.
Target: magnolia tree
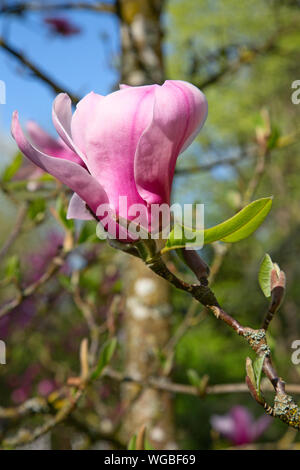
<point>117,154</point>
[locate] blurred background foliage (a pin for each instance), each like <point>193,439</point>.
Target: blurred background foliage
<point>245,56</point>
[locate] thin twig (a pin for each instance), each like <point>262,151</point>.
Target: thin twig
<point>37,72</point>
<point>19,8</point>
<point>207,166</point>
<point>284,407</point>
<point>32,288</point>
<point>24,437</point>
<point>21,217</point>
<point>163,384</point>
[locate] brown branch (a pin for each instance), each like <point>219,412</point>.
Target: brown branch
<point>32,288</point>
<point>246,55</point>
<point>21,217</point>
<point>38,405</point>
<point>24,437</point>
<point>22,7</point>
<point>163,384</point>
<point>37,72</point>
<point>207,166</point>
<point>31,406</point>
<point>284,408</point>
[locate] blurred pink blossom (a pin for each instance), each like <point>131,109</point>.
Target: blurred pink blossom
<point>62,26</point>
<point>239,425</point>
<point>46,386</point>
<point>38,261</point>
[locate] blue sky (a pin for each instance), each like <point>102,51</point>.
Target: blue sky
<point>81,63</point>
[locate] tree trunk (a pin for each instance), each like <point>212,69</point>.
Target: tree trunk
<point>148,309</point>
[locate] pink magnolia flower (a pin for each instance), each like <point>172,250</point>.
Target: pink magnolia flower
<point>239,425</point>
<point>46,386</point>
<point>122,144</point>
<point>49,145</point>
<point>62,26</point>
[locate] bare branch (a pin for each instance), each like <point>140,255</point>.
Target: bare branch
<point>21,217</point>
<point>37,72</point>
<point>21,7</point>
<point>284,407</point>
<point>52,269</point>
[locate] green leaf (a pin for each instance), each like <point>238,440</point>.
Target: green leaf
<point>37,209</point>
<point>238,227</point>
<point>105,357</point>
<point>12,169</point>
<point>66,282</point>
<point>88,233</point>
<point>274,138</point>
<point>62,213</point>
<point>264,275</point>
<point>148,446</point>
<point>242,224</point>
<point>194,378</point>
<point>132,443</point>
<point>257,367</point>
<point>12,267</point>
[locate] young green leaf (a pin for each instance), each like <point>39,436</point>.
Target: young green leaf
<point>194,378</point>
<point>274,138</point>
<point>264,275</point>
<point>88,233</point>
<point>238,227</point>
<point>62,214</point>
<point>132,443</point>
<point>37,209</point>
<point>242,224</point>
<point>12,169</point>
<point>12,267</point>
<point>148,445</point>
<point>257,367</point>
<point>105,357</point>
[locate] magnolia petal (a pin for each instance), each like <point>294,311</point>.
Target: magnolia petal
<point>111,135</point>
<point>77,209</point>
<point>41,138</point>
<point>84,113</point>
<point>62,117</point>
<point>73,175</point>
<point>260,426</point>
<point>223,424</point>
<point>47,144</point>
<point>202,109</point>
<point>179,110</point>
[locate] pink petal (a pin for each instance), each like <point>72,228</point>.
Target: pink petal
<point>47,144</point>
<point>178,113</point>
<point>77,209</point>
<point>69,173</point>
<point>40,138</point>
<point>243,422</point>
<point>112,132</point>
<point>122,86</point>
<point>62,117</point>
<point>85,110</point>
<point>223,424</point>
<point>260,426</point>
